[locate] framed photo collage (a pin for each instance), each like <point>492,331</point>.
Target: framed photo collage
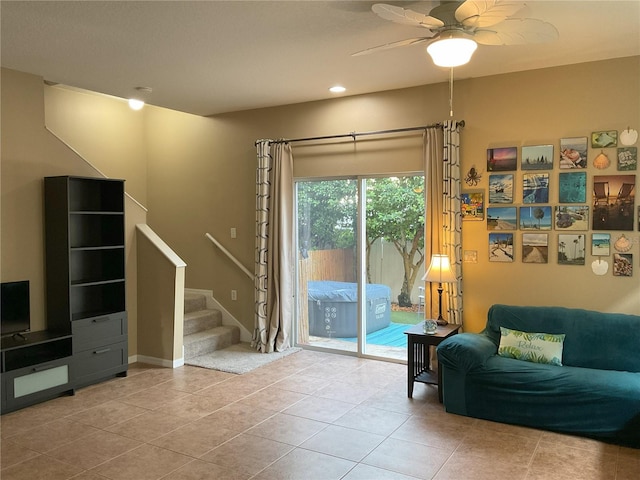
<point>522,205</point>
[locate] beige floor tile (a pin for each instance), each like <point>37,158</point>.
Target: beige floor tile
<point>238,417</point>
<point>628,467</point>
<point>397,401</point>
<point>41,467</point>
<point>305,464</point>
<point>407,458</point>
<point>106,414</point>
<point>343,442</point>
<point>194,439</point>
<point>154,397</point>
<point>372,420</point>
<point>556,459</point>
<point>52,435</point>
<point>347,392</point>
<point>193,407</point>
<point>12,453</point>
<point>503,447</point>
<point>273,398</point>
<point>196,380</point>
<point>434,433</point>
<point>148,426</point>
<point>93,449</point>
<point>199,470</point>
<point>367,472</point>
<point>143,463</point>
<point>318,408</point>
<point>287,429</point>
<point>302,384</point>
<point>462,466</point>
<point>247,454</point>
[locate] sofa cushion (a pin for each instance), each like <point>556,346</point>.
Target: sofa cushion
<point>531,347</point>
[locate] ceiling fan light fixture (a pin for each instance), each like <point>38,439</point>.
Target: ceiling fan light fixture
<point>452,50</point>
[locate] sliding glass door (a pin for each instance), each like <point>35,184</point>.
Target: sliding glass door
<point>360,261</point>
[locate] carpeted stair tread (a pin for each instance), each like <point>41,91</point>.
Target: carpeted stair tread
<point>210,340</point>
<point>201,320</point>
<point>194,302</point>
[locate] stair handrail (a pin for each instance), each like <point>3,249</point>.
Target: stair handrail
<point>231,257</point>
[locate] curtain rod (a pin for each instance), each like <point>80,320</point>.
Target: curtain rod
<point>361,134</point>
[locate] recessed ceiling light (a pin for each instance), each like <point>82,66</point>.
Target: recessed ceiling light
<point>135,104</point>
<point>337,89</point>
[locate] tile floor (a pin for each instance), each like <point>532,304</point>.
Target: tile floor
<point>307,416</point>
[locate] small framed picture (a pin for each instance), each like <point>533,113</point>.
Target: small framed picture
<point>502,159</point>
<point>571,249</point>
<point>501,188</point>
<point>537,157</point>
<point>613,202</point>
<point>472,204</point>
<point>572,187</point>
<point>572,218</point>
<point>600,244</point>
<point>501,247</point>
<point>604,139</point>
<point>573,152</point>
<point>502,218</point>
<point>535,248</point>
<point>622,264</point>
<point>535,218</point>
<point>627,158</point>
<point>535,188</point>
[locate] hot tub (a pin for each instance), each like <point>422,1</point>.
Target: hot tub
<point>333,308</point>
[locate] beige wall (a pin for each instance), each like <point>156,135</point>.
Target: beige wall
<point>200,173</point>
<point>30,152</point>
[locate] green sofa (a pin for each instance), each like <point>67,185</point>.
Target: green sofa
<point>594,393</point>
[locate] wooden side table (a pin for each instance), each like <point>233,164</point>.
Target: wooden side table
<point>418,361</point>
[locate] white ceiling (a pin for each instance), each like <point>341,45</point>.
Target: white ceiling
<point>208,57</point>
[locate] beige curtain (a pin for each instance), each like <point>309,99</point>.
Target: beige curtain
<point>274,244</point>
<point>442,213</point>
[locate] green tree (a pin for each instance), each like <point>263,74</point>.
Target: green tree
<point>395,213</point>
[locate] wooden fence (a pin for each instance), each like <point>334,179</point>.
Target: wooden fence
<point>336,265</point>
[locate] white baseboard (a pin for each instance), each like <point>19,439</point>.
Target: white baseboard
<point>159,362</point>
<point>227,318</point>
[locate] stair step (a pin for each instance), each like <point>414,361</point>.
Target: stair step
<point>210,340</point>
<point>194,302</point>
<point>201,320</point>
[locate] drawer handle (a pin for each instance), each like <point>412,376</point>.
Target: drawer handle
<point>104,350</point>
<point>101,320</point>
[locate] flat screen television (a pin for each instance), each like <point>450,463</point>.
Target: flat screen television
<point>15,314</point>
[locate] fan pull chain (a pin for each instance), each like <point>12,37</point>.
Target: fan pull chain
<point>451,93</point>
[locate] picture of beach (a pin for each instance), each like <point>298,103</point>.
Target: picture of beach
<point>502,218</point>
<point>535,188</point>
<point>535,248</point>
<point>501,247</point>
<point>501,188</point>
<point>571,249</point>
<point>502,159</point>
<point>573,152</point>
<point>613,202</point>
<point>536,218</point>
<point>600,244</point>
<point>472,205</point>
<point>627,158</point>
<point>537,157</point>
<point>622,264</point>
<point>572,218</point>
<point>572,187</point>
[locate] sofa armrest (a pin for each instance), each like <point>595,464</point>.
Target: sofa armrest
<point>466,351</point>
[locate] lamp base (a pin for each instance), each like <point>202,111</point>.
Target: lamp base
<point>441,321</point>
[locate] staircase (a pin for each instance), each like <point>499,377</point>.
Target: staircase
<point>203,329</point>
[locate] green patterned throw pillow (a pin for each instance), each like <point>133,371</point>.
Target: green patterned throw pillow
<point>531,347</point>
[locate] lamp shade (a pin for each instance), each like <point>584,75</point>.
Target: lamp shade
<point>452,50</point>
<point>439,270</point>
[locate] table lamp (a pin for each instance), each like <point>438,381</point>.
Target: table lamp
<point>439,272</point>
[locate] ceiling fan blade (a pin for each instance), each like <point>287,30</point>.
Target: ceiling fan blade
<point>405,16</point>
<point>485,13</point>
<point>517,31</point>
<point>387,46</point>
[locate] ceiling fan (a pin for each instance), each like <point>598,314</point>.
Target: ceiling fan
<point>457,27</point>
